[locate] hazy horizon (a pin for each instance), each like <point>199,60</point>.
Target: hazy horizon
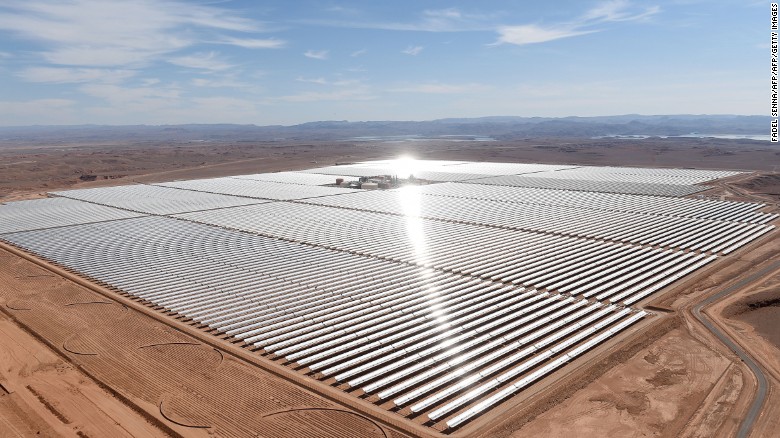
<point>148,62</point>
<point>606,116</point>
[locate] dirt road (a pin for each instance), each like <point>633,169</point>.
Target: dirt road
<point>746,426</point>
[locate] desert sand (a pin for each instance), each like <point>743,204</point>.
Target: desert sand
<point>79,360</point>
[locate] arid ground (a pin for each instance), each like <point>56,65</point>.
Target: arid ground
<point>80,360</point>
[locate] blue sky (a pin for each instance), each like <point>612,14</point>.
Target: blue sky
<point>286,62</point>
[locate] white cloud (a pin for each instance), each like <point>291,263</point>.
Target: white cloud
<point>357,53</point>
<point>74,75</point>
<point>439,88</point>
<point>608,11</point>
<point>119,32</point>
<point>110,56</point>
<point>532,34</point>
<point>618,10</point>
<point>323,81</point>
<point>440,20</point>
<point>452,13</point>
<point>203,61</point>
<point>413,50</point>
<point>320,81</point>
<point>342,10</point>
<point>345,82</point>
<point>316,54</point>
<point>223,82</point>
<point>250,43</point>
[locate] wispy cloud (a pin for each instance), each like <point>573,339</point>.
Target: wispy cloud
<point>316,54</point>
<point>338,9</point>
<point>320,81</point>
<point>323,81</point>
<point>357,53</point>
<point>56,75</point>
<point>253,43</point>
<point>440,88</point>
<point>413,50</point>
<point>609,11</point>
<point>202,61</point>
<point>435,20</point>
<point>450,13</point>
<point>93,33</point>
<point>455,20</point>
<point>619,10</point>
<point>533,34</point>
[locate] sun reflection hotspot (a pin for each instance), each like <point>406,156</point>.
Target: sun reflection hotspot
<point>410,200</point>
<point>405,166</point>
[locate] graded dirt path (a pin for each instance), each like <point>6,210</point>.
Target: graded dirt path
<point>648,395</point>
<point>44,395</point>
<point>158,375</point>
<point>761,379</point>
<point>751,319</point>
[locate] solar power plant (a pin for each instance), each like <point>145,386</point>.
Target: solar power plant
<point>465,166</point>
<point>667,206</point>
<point>505,168</point>
<point>577,266</point>
<point>153,200</point>
<point>601,186</point>
<point>637,228</point>
<point>437,170</point>
<point>309,179</point>
<point>425,164</point>
<point>638,175</point>
<point>54,212</point>
<point>252,188</point>
<point>436,303</point>
<point>433,175</point>
<point>394,163</point>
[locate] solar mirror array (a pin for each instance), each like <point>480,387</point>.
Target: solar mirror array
<point>436,302</point>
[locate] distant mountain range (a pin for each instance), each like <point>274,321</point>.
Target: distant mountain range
<point>500,128</point>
